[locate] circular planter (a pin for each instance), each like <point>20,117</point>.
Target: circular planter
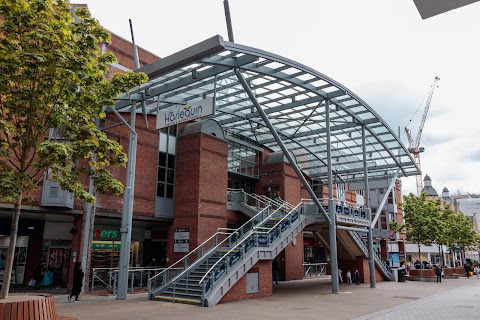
<point>422,275</point>
<point>28,307</point>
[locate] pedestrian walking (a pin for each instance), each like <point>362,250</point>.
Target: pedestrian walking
<point>357,277</point>
<point>275,270</point>
<point>77,282</point>
<point>340,278</point>
<point>438,273</point>
<point>349,277</point>
<point>466,266</point>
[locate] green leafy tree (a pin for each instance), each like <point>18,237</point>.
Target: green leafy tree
<point>446,217</point>
<point>53,77</point>
<point>422,220</point>
<point>461,233</point>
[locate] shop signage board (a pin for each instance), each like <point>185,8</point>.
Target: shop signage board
<point>181,234</point>
<point>182,113</point>
<point>181,246</point>
<point>181,240</point>
<point>98,246</point>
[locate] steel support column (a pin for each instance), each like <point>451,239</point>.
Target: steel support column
<point>287,154</point>
<point>127,211</point>
<point>371,259</point>
<point>385,197</point>
<point>332,228</point>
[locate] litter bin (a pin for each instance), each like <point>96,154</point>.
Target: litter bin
<point>402,275</point>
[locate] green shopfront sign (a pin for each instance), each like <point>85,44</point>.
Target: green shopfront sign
<point>106,234</point>
<point>98,246</point>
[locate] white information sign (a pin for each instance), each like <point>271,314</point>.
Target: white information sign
<point>181,240</point>
<point>181,246</point>
<point>191,111</point>
<point>181,234</point>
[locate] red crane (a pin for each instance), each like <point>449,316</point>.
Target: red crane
<point>414,145</point>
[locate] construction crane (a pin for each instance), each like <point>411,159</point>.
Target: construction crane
<point>414,145</point>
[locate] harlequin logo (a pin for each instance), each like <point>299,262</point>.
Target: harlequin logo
<point>187,113</point>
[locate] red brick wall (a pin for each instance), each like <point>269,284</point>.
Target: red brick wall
<point>294,259</point>
<point>239,290</point>
<point>363,268</point>
<point>146,166</point>
<point>201,164</point>
<point>283,176</point>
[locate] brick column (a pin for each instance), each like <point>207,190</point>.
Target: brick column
<point>201,188</point>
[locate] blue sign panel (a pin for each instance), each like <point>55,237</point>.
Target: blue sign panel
<point>363,214</point>
<point>220,271</point>
<point>262,240</point>
<point>233,259</point>
<point>249,244</point>
<point>294,217</point>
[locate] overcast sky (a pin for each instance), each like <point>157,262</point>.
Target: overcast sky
<point>381,50</point>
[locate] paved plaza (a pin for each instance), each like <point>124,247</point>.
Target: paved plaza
<point>307,299</point>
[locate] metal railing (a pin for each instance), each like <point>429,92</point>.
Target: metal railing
<point>311,270</point>
<point>257,238</point>
<point>341,207</point>
<point>168,275</point>
<point>163,277</point>
<point>378,260</point>
<point>107,278</point>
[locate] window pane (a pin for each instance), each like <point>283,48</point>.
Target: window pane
<point>171,161</point>
<point>163,142</point>
<point>161,174</point>
<point>172,144</point>
<point>169,191</point>
<point>161,189</point>
<point>170,175</point>
<point>162,157</point>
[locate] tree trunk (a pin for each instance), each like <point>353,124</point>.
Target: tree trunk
<point>443,256</point>
<point>11,249</point>
<point>419,256</point>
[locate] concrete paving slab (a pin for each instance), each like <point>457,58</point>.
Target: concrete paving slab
<point>304,299</point>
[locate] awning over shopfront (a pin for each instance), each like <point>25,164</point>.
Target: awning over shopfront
<point>293,96</point>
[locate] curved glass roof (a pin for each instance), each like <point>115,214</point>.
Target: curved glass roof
<point>291,94</point>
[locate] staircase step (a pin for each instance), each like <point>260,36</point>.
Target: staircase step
<point>179,299</point>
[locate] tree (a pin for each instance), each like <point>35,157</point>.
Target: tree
<point>461,233</point>
<point>52,77</point>
<point>422,220</point>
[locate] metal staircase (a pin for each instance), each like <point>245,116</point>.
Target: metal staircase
<point>384,268</point>
<point>212,268</point>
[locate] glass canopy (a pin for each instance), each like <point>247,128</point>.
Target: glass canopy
<point>291,94</point>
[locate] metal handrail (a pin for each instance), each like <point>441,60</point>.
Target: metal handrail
<point>112,275</point>
<point>308,267</point>
<point>378,260</point>
<point>213,248</point>
<point>194,251</point>
<point>336,201</point>
<point>246,238</point>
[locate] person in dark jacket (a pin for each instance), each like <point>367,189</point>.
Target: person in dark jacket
<point>77,282</point>
<point>356,274</point>
<point>466,266</point>
<point>438,273</point>
<point>275,269</point>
